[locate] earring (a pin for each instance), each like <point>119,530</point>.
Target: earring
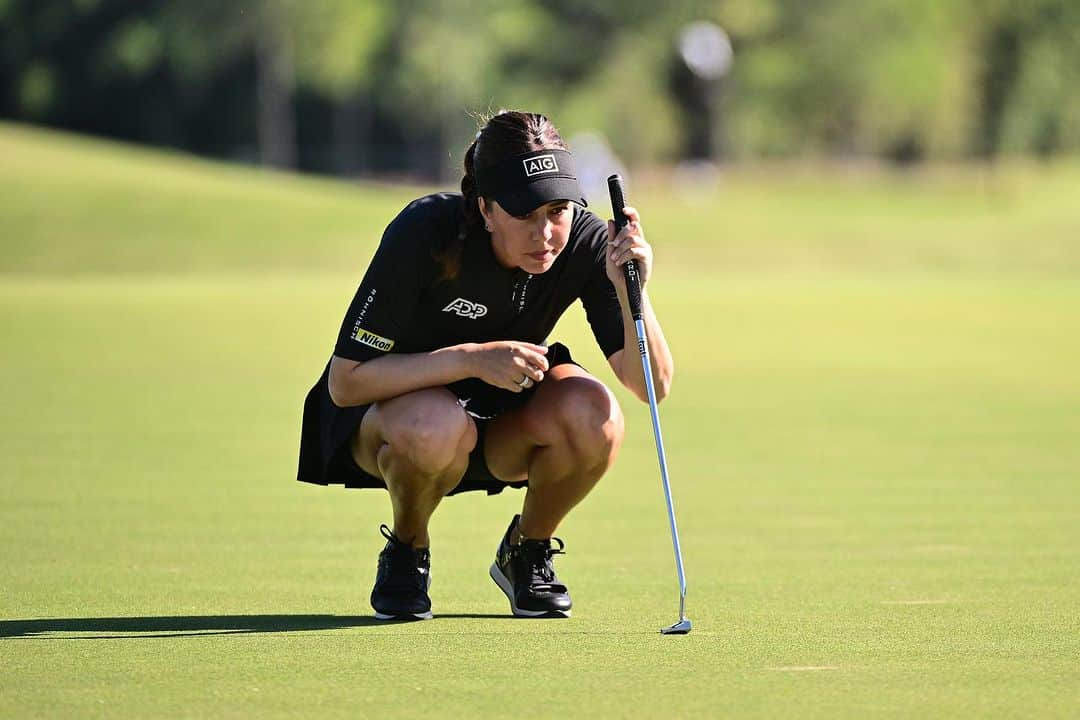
<point>487,227</point>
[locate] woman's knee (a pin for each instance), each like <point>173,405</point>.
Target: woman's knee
<point>589,416</point>
<point>429,430</point>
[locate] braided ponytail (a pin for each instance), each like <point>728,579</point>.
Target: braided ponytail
<point>473,218</point>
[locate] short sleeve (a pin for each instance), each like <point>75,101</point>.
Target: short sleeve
<point>379,316</point>
<point>598,296</point>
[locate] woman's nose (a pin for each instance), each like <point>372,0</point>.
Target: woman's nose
<point>546,229</point>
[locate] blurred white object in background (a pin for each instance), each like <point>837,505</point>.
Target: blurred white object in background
<point>696,180</point>
<point>595,160</point>
<point>706,54</point>
<point>706,49</point>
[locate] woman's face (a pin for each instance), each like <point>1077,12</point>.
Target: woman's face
<point>531,242</point>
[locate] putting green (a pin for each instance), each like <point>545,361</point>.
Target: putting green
<point>876,472</point>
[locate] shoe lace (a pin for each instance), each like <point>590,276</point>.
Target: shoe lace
<point>537,555</point>
<point>403,571</point>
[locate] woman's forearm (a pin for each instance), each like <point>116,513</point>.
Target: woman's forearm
<point>633,375</point>
<point>361,383</point>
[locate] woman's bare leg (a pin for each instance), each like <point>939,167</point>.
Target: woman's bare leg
<point>419,445</point>
<point>563,441</point>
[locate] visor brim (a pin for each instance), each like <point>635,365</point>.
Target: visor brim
<point>524,199</point>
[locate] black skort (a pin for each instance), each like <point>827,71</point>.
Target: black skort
<point>325,438</point>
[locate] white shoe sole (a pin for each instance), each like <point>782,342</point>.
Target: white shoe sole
<point>508,589</point>
<point>411,616</point>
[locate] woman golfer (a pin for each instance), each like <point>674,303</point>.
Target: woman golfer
<point>442,380</point>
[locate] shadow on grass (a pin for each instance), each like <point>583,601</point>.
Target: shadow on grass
<point>192,625</point>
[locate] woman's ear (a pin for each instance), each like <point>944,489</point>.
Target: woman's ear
<point>485,212</point>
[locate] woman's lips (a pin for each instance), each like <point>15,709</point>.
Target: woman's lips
<point>540,255</point>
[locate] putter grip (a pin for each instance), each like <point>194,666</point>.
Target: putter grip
<point>633,284</point>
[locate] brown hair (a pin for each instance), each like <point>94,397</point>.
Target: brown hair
<point>504,135</point>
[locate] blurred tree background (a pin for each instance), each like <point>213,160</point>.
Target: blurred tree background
<point>362,87</point>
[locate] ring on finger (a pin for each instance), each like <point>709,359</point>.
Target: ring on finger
<point>524,382</point>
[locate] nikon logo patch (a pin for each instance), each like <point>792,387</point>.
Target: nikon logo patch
<point>539,165</point>
<point>370,339</point>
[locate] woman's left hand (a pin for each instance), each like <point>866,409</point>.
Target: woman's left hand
<point>628,244</point>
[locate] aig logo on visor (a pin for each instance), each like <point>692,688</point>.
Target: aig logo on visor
<point>539,165</point>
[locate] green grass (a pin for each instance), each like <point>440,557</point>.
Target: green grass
<point>72,205</point>
<point>873,448</point>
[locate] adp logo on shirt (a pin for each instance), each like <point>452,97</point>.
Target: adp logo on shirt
<point>539,165</point>
<point>466,308</point>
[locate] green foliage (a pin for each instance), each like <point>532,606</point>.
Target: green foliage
<point>874,77</point>
<point>37,89</point>
<point>625,100</point>
<point>338,41</point>
<point>1044,115</point>
<point>846,78</point>
<point>894,78</point>
<point>137,46</point>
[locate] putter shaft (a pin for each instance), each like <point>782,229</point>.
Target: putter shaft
<point>658,437</point>
<point>633,291</point>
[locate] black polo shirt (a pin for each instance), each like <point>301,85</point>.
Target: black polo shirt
<point>406,304</point>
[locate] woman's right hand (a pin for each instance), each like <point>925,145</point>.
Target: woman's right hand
<point>508,364</point>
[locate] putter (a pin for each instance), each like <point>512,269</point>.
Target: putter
<point>633,291</point>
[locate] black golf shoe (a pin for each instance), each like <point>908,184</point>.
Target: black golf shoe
<point>525,574</point>
<point>402,581</point>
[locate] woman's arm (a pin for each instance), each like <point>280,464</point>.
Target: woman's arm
<point>626,363</point>
<point>502,364</point>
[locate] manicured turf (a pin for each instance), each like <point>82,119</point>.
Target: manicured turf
<point>874,453</point>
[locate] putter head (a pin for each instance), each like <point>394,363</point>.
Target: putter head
<point>680,628</point>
